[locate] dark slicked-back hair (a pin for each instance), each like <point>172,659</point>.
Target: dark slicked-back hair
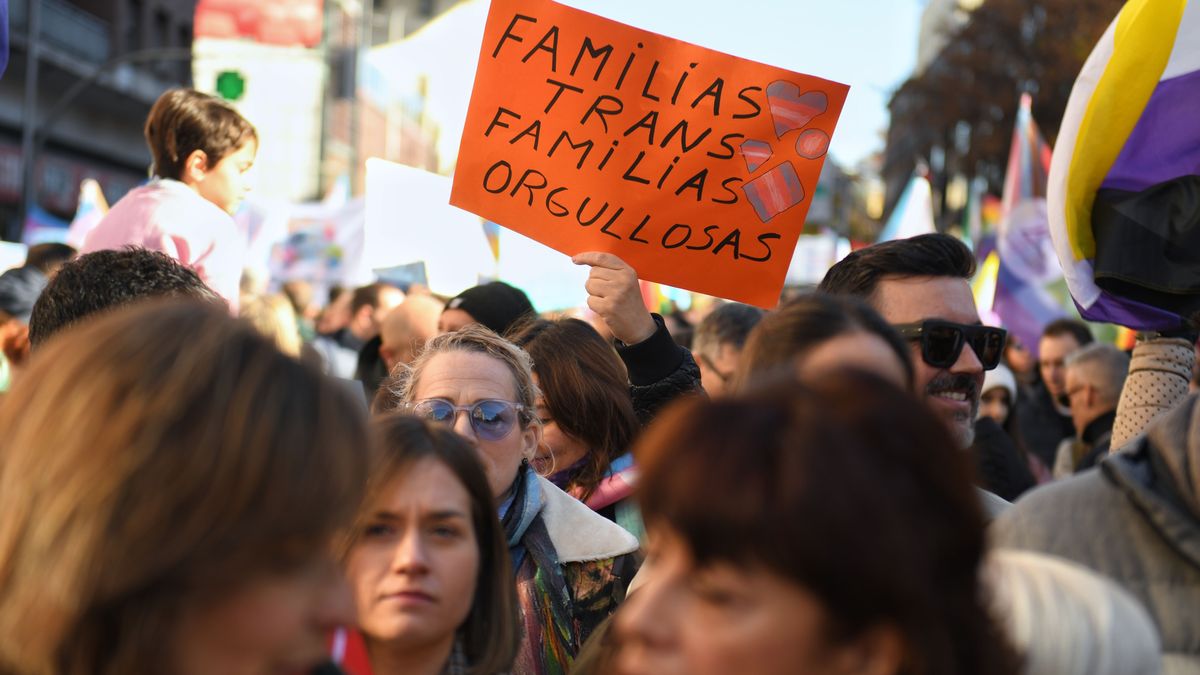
<point>1073,327</point>
<point>105,280</point>
<point>926,255</point>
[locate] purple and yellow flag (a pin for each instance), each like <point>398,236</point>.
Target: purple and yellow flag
<point>1124,193</point>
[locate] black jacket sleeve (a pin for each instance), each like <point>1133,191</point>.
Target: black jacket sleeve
<point>659,372</point>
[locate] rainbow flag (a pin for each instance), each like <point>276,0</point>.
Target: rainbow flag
<point>1027,262</point>
<point>1124,193</point>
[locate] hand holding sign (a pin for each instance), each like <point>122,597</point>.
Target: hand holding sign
<point>614,294</point>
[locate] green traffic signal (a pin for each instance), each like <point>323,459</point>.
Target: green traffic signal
<point>231,85</point>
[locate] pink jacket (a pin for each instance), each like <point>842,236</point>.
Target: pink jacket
<point>166,215</point>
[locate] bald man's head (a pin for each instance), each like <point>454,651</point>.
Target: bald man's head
<point>407,328</point>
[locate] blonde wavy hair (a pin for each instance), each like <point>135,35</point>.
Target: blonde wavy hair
<point>475,338</point>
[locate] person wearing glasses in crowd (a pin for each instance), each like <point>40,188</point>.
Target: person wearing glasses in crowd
<point>571,564</point>
<point>1094,378</point>
<point>719,342</point>
<point>659,370</point>
<point>921,287</point>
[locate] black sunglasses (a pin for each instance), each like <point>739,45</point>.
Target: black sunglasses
<point>942,341</point>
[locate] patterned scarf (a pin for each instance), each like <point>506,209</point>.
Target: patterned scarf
<point>518,511</point>
<point>457,665</point>
<point>549,642</point>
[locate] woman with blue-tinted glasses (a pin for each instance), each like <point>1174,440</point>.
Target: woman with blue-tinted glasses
<point>571,564</point>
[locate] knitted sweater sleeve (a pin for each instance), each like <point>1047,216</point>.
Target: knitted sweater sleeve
<point>1159,373</point>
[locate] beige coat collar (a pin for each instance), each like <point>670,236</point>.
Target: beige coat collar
<point>578,533</point>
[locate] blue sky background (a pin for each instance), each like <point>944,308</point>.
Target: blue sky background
<point>870,45</point>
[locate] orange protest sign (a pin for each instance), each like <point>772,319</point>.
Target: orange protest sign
<point>694,166</point>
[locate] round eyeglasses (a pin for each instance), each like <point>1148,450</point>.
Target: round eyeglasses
<point>491,419</point>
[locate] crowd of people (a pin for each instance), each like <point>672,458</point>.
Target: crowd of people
<point>866,479</point>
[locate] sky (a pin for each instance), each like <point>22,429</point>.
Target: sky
<point>870,45</point>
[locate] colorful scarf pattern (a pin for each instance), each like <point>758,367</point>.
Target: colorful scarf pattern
<point>560,603</point>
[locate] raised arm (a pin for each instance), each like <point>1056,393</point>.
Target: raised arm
<point>659,370</point>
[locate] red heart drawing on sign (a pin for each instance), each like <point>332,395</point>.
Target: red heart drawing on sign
<point>756,153</point>
<point>812,144</point>
<point>792,110</point>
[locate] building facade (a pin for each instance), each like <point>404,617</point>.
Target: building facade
<point>98,133</point>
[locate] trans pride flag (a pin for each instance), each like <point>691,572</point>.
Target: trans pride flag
<point>1027,262</point>
<point>492,232</point>
<point>88,214</point>
<point>913,213</point>
<point>1124,192</point>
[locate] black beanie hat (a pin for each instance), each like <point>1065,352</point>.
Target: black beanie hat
<point>495,305</point>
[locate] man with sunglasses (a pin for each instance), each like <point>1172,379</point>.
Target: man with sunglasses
<point>920,286</point>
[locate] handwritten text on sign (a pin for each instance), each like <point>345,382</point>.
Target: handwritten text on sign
<point>694,166</point>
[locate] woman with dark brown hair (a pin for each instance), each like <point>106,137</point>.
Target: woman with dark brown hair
<point>586,410</point>
<point>829,528</point>
<point>171,484</point>
<point>428,561</point>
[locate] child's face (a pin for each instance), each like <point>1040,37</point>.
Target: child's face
<point>227,183</point>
